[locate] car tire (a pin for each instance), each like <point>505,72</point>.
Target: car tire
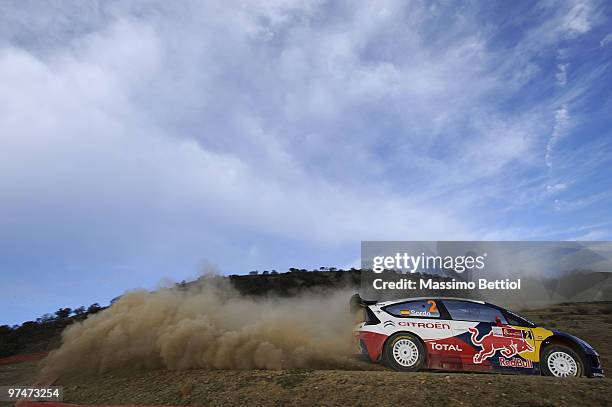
<point>561,361</point>
<point>404,352</point>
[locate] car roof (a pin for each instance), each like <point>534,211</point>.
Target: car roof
<point>389,302</point>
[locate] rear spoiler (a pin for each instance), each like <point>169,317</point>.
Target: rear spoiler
<point>357,302</point>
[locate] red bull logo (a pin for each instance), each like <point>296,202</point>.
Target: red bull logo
<point>516,362</point>
<point>495,340</point>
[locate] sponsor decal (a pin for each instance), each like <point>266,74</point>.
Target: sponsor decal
<point>428,308</point>
<point>422,314</point>
<point>445,347</point>
<point>494,341</point>
<point>430,325</point>
<point>515,362</point>
<point>388,324</point>
<point>512,333</point>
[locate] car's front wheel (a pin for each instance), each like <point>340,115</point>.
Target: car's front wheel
<point>404,352</point>
<point>561,361</point>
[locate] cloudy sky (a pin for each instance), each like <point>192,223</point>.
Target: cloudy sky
<point>149,140</point>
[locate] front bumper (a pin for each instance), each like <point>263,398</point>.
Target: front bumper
<point>594,368</point>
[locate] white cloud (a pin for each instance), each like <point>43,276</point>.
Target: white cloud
<point>579,19</point>
<point>102,121</point>
<point>199,109</point>
<point>561,205</point>
<point>562,74</point>
<point>606,40</point>
<point>555,188</point>
<point>560,129</point>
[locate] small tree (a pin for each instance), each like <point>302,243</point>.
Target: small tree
<point>45,318</point>
<point>63,313</point>
<point>79,311</point>
<point>94,308</point>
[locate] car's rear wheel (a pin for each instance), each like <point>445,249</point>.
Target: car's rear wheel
<point>561,361</point>
<point>404,352</point>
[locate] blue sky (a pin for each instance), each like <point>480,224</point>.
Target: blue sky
<point>143,141</point>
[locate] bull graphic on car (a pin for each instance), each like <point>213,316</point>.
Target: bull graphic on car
<point>443,333</point>
<point>497,340</point>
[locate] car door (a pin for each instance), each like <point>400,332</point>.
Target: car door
<point>463,320</point>
<point>491,343</point>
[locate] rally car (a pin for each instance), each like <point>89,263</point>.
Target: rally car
<point>467,335</point>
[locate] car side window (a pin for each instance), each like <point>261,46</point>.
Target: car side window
<point>517,320</point>
<point>473,311</point>
<point>416,309</point>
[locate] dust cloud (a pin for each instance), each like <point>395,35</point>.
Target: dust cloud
<point>208,326</point>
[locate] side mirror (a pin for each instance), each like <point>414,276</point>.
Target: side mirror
<point>498,321</point>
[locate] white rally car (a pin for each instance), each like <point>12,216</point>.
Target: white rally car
<point>461,334</point>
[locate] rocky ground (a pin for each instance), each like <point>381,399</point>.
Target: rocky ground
<point>333,387</point>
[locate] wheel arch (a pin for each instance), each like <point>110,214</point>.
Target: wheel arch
<point>557,339</point>
<point>560,340</point>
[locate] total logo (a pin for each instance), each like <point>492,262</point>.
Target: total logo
<point>445,347</point>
